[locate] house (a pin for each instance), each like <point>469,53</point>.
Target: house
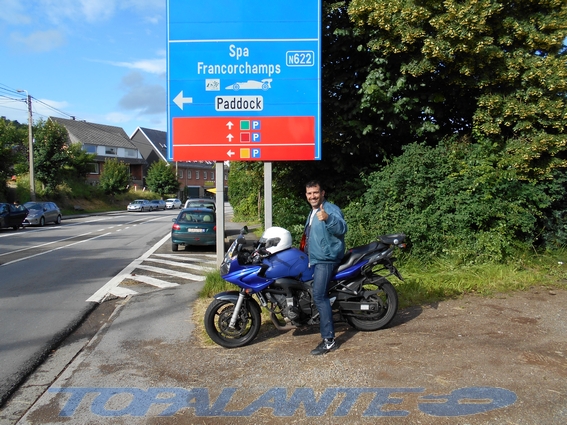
<point>197,178</point>
<point>105,142</point>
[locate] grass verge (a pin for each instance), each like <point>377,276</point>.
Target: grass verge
<point>431,283</point>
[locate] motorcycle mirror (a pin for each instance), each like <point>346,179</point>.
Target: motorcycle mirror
<point>244,230</point>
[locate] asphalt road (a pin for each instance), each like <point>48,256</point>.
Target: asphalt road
<point>48,273</point>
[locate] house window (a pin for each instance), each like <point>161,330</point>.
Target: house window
<point>212,176</point>
<point>180,174</point>
<point>89,148</point>
<point>197,175</point>
<point>204,175</point>
<point>93,168</point>
<point>189,174</point>
<point>109,151</point>
<point>132,153</point>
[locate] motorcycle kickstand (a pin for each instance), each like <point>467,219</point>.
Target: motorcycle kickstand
<point>234,317</point>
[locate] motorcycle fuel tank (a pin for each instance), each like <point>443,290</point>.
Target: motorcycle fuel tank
<point>289,263</point>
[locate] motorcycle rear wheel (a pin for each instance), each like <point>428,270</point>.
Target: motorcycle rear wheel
<point>368,320</point>
<point>217,319</point>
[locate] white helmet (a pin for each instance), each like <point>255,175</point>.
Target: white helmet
<point>276,239</point>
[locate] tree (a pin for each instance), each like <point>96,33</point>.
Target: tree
<point>493,69</point>
<point>162,179</point>
<point>13,140</point>
<point>246,189</point>
<point>50,157</point>
<point>115,176</point>
<point>79,161</point>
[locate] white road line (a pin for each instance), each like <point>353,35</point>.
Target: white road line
<point>153,281</point>
<point>45,244</point>
<point>196,259</point>
<point>52,250</point>
<point>183,265</point>
<point>99,295</point>
<point>122,292</point>
<point>182,275</point>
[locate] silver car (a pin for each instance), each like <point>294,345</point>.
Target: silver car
<point>41,213</point>
<point>158,204</point>
<point>140,205</point>
<point>173,203</point>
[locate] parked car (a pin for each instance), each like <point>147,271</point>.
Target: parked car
<point>140,205</point>
<point>173,203</point>
<point>194,226</point>
<point>41,213</point>
<point>12,215</point>
<point>158,204</point>
<point>201,203</point>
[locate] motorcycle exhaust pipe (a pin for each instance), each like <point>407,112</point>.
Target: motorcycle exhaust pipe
<point>287,327</point>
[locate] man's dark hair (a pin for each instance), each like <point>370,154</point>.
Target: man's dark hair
<point>313,183</point>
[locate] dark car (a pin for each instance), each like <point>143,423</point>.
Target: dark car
<point>201,203</point>
<point>194,226</point>
<point>158,204</point>
<point>40,213</point>
<point>12,215</point>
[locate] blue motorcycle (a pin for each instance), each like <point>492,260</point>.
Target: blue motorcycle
<point>279,277</point>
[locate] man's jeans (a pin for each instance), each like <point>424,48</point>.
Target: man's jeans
<point>321,276</point>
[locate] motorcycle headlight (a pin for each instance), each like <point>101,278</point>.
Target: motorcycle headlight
<point>225,266</point>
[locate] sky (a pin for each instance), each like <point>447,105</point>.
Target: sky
<point>102,61</point>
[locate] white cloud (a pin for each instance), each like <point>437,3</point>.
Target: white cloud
<point>118,117</point>
<point>14,13</point>
<point>50,108</point>
<point>94,10</point>
<point>152,66</point>
<point>89,10</point>
<point>39,41</point>
<point>147,99</point>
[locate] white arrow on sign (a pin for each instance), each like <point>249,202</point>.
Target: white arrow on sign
<point>229,125</point>
<point>230,153</point>
<point>230,137</point>
<point>180,100</point>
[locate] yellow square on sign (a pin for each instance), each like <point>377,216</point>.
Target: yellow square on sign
<point>245,153</point>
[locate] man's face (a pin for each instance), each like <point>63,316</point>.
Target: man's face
<point>314,196</point>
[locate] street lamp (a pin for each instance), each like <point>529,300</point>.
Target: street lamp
<point>30,136</point>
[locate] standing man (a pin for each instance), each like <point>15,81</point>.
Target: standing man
<point>324,233</point>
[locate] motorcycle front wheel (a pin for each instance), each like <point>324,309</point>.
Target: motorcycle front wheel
<point>387,302</point>
<point>217,320</point>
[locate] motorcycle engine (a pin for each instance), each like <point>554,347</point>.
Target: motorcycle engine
<point>288,306</point>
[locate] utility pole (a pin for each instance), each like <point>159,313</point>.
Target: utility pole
<point>30,137</point>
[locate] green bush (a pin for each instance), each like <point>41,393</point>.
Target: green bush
<point>453,201</point>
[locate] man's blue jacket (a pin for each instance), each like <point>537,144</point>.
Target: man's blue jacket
<point>327,238</point>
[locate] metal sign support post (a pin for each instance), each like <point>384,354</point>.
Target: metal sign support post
<point>219,184</point>
<point>268,207</point>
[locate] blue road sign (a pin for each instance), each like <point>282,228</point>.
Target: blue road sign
<point>242,59</point>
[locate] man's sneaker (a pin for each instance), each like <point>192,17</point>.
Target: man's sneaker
<point>325,346</point>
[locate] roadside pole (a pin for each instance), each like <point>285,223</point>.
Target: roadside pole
<point>219,185</point>
<point>268,203</point>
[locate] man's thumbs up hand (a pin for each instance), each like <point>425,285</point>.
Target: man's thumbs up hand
<point>321,214</point>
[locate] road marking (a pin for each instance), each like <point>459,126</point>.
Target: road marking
<point>103,292</point>
<point>174,273</point>
<point>179,264</point>
<point>45,244</point>
<point>52,250</point>
<point>154,282</point>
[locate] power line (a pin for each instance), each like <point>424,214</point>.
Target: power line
<point>21,97</point>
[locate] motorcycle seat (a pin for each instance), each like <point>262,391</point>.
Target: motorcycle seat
<point>354,254</point>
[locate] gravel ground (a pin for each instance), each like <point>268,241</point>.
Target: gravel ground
<point>437,364</point>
